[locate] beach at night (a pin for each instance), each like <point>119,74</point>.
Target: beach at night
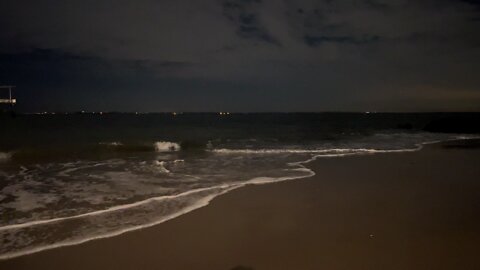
<point>239,134</point>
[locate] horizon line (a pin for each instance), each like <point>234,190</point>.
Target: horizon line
<point>237,112</point>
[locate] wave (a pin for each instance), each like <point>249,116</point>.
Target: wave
<point>160,146</point>
<point>332,152</point>
<point>113,148</point>
<point>166,146</point>
<point>189,203</point>
<point>99,212</point>
<point>106,149</point>
<point>338,152</point>
<point>203,201</point>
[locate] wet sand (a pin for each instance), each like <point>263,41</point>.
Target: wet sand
<point>418,210</point>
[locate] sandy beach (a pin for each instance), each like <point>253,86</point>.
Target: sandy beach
<point>412,210</point>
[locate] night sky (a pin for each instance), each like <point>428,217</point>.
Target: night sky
<point>242,55</point>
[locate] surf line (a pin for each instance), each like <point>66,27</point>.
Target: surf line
<point>111,209</point>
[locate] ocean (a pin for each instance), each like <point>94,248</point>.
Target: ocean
<point>70,178</point>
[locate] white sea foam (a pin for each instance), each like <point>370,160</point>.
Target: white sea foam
<point>203,201</point>
<point>339,152</point>
<point>161,166</point>
<point>332,152</point>
<point>166,146</point>
<point>99,212</point>
<point>276,151</point>
<point>27,201</point>
<point>200,203</point>
<point>268,180</point>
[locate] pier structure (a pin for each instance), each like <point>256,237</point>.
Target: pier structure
<point>10,100</point>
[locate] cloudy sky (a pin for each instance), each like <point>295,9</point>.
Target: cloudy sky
<point>242,55</point>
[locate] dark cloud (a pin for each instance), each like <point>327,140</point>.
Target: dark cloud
<point>309,55</point>
<point>52,67</point>
<point>245,17</point>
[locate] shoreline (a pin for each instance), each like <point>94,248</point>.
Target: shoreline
<point>215,204</point>
<point>203,202</point>
<point>301,166</point>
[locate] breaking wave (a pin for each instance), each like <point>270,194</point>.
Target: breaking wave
<point>319,152</point>
<point>166,146</point>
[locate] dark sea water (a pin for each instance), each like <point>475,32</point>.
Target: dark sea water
<point>66,179</point>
